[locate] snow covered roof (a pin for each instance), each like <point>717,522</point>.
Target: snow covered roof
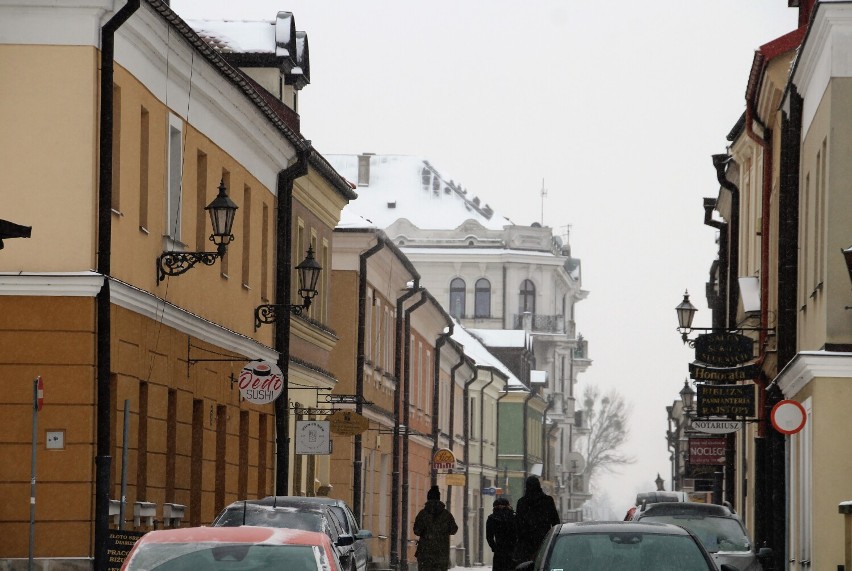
<point>501,337</point>
<point>401,186</point>
<point>232,36</point>
<point>474,349</point>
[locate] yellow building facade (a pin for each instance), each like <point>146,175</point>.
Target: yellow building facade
<point>183,122</point>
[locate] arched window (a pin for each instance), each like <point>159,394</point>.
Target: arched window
<point>482,298</point>
<point>527,297</point>
<point>457,298</point>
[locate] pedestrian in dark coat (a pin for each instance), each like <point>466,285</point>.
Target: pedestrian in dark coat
<point>535,515</point>
<point>501,535</point>
<point>434,525</point>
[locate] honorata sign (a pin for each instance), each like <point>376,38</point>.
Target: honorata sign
<point>704,374</point>
<point>716,426</point>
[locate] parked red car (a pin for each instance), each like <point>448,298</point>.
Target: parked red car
<point>244,548</point>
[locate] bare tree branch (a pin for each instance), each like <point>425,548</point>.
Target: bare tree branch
<point>606,417</point>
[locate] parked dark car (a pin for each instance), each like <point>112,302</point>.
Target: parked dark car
<point>295,515</point>
<point>346,518</point>
<point>619,545</point>
<point>719,529</point>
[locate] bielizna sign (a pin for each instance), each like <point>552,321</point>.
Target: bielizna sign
<point>261,382</point>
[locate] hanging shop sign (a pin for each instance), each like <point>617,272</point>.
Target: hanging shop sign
<point>725,400</point>
<point>261,382</point>
<point>443,459</point>
<point>705,374</point>
<point>455,479</point>
<point>707,451</point>
<point>724,349</point>
<point>312,437</point>
<point>347,422</point>
<point>711,426</point>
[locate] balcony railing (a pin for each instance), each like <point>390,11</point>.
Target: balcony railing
<point>545,323</point>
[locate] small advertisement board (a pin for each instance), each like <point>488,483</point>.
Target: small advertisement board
<point>312,437</point>
<point>707,451</point>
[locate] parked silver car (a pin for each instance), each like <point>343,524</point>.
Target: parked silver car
<point>719,529</point>
<point>346,519</point>
<point>269,512</point>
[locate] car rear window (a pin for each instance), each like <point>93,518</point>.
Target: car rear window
<point>266,516</point>
<point>715,533</point>
<point>626,551</point>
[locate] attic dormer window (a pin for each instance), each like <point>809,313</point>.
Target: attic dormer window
<point>392,204</point>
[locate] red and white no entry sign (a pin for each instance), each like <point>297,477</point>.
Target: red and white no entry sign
<point>788,417</point>
<point>39,393</point>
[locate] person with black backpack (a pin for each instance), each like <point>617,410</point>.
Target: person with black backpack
<point>535,515</point>
<point>501,535</point>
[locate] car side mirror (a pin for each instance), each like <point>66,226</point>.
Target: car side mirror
<point>344,539</point>
<point>727,567</point>
<point>364,534</point>
<point>764,553</point>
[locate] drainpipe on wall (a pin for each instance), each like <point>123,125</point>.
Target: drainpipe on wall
<point>526,435</point>
<point>397,371</point>
<point>283,283</point>
<point>359,371</point>
<point>406,406</point>
<point>436,399</point>
<point>462,361</point>
<point>761,500</point>
<point>764,143</point>
<point>482,466</point>
<point>103,460</point>
<point>466,498</point>
<point>731,262</point>
<point>545,442</point>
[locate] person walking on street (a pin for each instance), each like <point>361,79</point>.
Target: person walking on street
<point>501,535</point>
<point>434,525</point>
<point>535,515</point>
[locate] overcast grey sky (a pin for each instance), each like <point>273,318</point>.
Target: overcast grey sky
<point>617,106</point>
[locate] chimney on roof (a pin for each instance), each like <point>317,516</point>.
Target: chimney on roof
<point>364,169</point>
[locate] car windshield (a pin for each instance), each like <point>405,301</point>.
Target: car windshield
<point>213,556</point>
<point>268,516</point>
<point>626,551</point>
<point>716,533</point>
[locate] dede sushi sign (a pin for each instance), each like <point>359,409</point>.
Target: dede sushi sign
<point>261,382</point>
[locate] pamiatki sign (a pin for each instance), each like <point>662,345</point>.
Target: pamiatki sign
<point>261,382</point>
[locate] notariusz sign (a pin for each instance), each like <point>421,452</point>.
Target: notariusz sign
<point>711,426</point>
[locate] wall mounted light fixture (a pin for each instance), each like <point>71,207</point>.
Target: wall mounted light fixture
<point>686,313</point>
<point>222,211</point>
<point>309,270</point>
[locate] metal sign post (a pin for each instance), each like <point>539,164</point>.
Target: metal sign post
<point>38,402</point>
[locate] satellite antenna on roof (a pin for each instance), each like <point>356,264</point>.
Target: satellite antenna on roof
<point>543,195</point>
